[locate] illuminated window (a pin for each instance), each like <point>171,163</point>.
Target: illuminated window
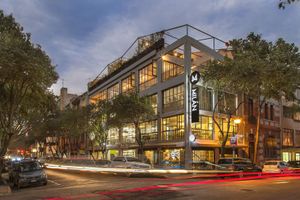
<point>129,153</point>
<point>149,131</point>
<point>287,137</point>
<point>147,77</point>
<point>173,128</point>
<point>173,98</point>
<point>128,134</point>
<point>171,70</point>
<point>128,84</point>
<point>113,91</point>
<point>100,96</point>
<point>203,129</point>
<point>223,123</point>
<point>153,102</point>
<point>113,136</point>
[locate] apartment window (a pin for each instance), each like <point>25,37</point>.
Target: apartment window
<point>113,91</point>
<point>287,113</point>
<point>149,131</point>
<point>297,138</point>
<point>271,112</point>
<point>206,98</point>
<point>173,98</point>
<point>147,77</point>
<point>296,116</point>
<point>113,136</point>
<point>203,129</point>
<point>173,128</point>
<point>287,137</point>
<point>227,102</point>
<point>128,134</point>
<point>171,70</point>
<point>271,147</point>
<point>250,107</point>
<point>128,84</point>
<point>266,111</point>
<point>153,102</point>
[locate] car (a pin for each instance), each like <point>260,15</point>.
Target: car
<point>26,173</point>
<point>129,163</point>
<point>239,164</point>
<point>294,166</point>
<point>275,166</point>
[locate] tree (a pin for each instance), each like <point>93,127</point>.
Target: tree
<point>100,122</point>
<point>132,109</point>
<point>26,73</point>
<point>283,3</point>
<point>259,69</point>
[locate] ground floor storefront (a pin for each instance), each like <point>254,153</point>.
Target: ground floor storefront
<point>289,154</point>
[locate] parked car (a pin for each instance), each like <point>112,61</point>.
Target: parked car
<point>26,173</point>
<point>206,165</point>
<point>294,166</point>
<point>129,163</point>
<point>275,166</point>
<point>239,164</point>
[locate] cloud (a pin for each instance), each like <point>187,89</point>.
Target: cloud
<point>82,38</point>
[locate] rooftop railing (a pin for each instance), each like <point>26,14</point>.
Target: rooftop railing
<point>168,36</point>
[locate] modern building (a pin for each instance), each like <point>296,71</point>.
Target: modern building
<point>160,67</point>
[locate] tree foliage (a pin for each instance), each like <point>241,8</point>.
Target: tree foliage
<point>260,69</point>
<point>132,109</point>
<point>283,3</point>
<point>26,73</point>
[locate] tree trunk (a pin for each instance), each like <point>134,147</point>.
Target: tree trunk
<point>257,131</point>
<point>4,145</point>
<point>138,138</point>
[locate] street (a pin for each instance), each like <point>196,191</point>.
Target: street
<point>64,184</point>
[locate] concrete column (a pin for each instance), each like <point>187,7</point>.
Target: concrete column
<point>187,105</point>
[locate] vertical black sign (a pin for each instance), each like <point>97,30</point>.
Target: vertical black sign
<point>195,105</point>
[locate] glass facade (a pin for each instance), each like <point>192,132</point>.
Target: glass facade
<point>204,155</point>
<point>173,98</point>
<point>287,137</point>
<point>173,128</point>
<point>203,130</point>
<point>171,70</point>
<point>205,98</point>
<point>113,136</point>
<point>286,156</point>
<point>130,153</point>
<point>172,158</point>
<point>113,91</point>
<point>153,102</point>
<point>128,134</point>
<point>149,131</point>
<point>128,84</point>
<point>147,77</point>
<point>100,96</point>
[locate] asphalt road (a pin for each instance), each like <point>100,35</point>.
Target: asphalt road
<point>85,185</point>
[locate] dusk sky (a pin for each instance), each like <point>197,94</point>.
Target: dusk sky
<point>83,36</point>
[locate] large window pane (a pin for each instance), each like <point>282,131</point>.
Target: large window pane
<point>149,131</point>
<point>171,70</point>
<point>129,134</point>
<point>173,128</point>
<point>100,96</point>
<point>205,98</point>
<point>203,129</point>
<point>173,98</point>
<point>128,84</point>
<point>113,91</point>
<point>147,77</point>
<point>153,102</point>
<point>113,136</point>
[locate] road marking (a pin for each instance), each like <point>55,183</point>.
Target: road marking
<point>54,182</point>
<point>281,182</point>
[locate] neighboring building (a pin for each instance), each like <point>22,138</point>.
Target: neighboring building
<point>65,98</point>
<point>290,131</point>
<point>161,70</point>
